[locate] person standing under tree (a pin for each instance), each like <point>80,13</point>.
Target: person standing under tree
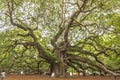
<point>3,75</point>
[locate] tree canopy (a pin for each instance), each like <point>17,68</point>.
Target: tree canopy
<point>59,35</point>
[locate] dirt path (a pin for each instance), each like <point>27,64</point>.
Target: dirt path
<point>38,77</point>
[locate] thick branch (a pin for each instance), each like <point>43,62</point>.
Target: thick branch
<point>54,40</point>
<point>75,15</point>
<point>10,7</point>
<point>88,61</point>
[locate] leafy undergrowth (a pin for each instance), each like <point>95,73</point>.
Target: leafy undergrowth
<point>38,77</point>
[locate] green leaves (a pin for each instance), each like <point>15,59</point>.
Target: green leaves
<point>115,21</point>
<point>93,32</point>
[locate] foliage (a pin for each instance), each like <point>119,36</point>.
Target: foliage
<point>58,34</point>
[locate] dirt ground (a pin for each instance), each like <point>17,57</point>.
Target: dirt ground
<point>38,77</point>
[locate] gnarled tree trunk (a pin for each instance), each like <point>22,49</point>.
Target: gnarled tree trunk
<point>59,65</point>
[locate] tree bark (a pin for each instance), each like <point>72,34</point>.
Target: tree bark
<point>59,65</point>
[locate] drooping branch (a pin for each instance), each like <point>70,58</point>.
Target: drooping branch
<point>89,62</point>
<point>85,53</point>
<point>71,64</point>
<point>74,67</point>
<point>81,67</point>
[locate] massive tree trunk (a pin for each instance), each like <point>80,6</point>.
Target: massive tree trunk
<point>60,64</point>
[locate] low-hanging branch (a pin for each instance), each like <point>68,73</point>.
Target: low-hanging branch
<point>89,62</point>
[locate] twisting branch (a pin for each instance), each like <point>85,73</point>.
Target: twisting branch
<point>56,37</point>
<point>10,9</point>
<point>75,15</point>
<point>74,67</point>
<point>89,62</point>
<point>77,49</point>
<point>43,54</point>
<point>83,5</point>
